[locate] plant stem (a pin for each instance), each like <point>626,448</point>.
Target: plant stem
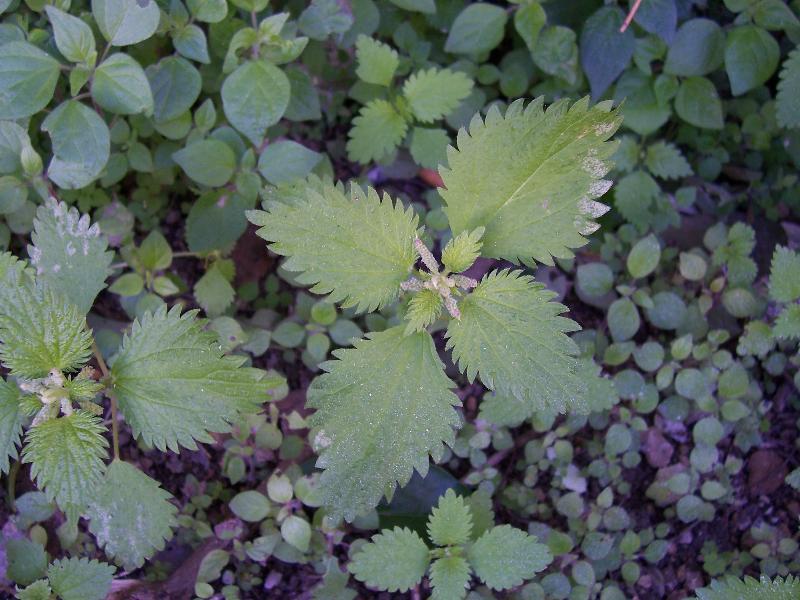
<point>114,421</point>
<point>11,484</point>
<point>630,16</point>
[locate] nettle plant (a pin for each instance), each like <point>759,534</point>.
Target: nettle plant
<point>169,379</point>
<point>521,186</point>
<point>426,96</point>
<point>465,541</point>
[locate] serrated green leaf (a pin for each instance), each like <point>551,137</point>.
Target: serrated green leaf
<point>511,336</point>
<point>66,456</point>
<point>254,97</point>
<point>80,578</point>
<point>28,78</point>
<point>751,589</point>
<point>11,418</point>
<point>81,145</point>
<point>787,100</point>
<point>74,38</point>
<point>787,325</point>
<point>395,560</point>
<point>69,253</point>
<point>120,86</point>
<point>209,162</point>
<point>424,308</point>
<point>123,22</point>
<point>130,527</point>
<point>463,250</point>
<point>504,557</point>
<point>39,331</point>
<point>26,560</point>
<point>377,62</point>
<point>356,247</point>
<point>435,93</point>
<point>175,386</point>
<point>665,160</point>
<point>377,130</point>
<point>375,431</point>
<point>38,590</point>
<point>784,276</point>
<point>530,177</point>
<point>450,522</point>
<point>449,578</point>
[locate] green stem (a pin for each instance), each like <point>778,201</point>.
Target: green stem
<point>11,484</point>
<point>114,420</point>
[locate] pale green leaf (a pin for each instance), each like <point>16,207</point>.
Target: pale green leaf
<point>356,247</point>
<point>334,583</point>
<point>450,522</point>
<point>11,419</point>
<point>424,308</point>
<point>788,96</point>
<point>377,62</point>
<point>13,139</point>
<point>751,57</point>
<point>395,560</point>
<point>38,590</point>
<point>130,515</point>
<point>511,335</point>
<point>435,93</point>
<point>423,6</point>
<point>697,49</point>
<point>28,79</point>
<point>787,324</point>
<point>175,386</point>
<point>286,161</point>
<point>123,22</point>
<point>81,145</point>
<point>644,256</point>
<point>428,146</point>
<point>751,589</point>
<point>504,557</point>
<point>69,253</point>
<point>698,103</point>
<point>74,38</point>
<point>190,41</point>
<point>120,86</point>
<point>478,28</point>
<point>784,276</point>
<point>374,431</point>
<point>254,97</point>
<point>462,251</point>
<point>39,331</point>
<point>175,85</point>
<point>214,292</point>
<point>449,578</point>
<point>666,161</point>
<point>80,579</point>
<point>66,456</point>
<point>530,176</point>
<point>377,131</point>
<point>209,162</point>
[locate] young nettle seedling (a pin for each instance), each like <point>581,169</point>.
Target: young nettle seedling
<point>502,556</point>
<point>426,96</point>
<point>521,187</point>
<point>169,379</point>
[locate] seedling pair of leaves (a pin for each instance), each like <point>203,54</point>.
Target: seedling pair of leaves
<point>426,96</point>
<point>502,556</point>
<point>169,379</point>
<point>520,187</point>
